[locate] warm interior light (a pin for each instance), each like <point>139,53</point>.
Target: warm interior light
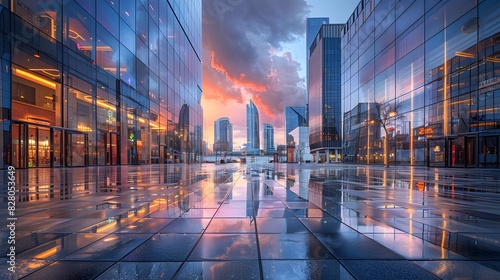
<point>113,69</point>
<point>492,59</point>
<point>52,25</point>
<point>84,128</point>
<point>49,71</point>
<point>106,227</point>
<point>28,76</point>
<point>464,54</point>
<point>98,48</point>
<point>48,253</point>
<point>75,34</point>
<point>100,103</point>
<point>37,55</point>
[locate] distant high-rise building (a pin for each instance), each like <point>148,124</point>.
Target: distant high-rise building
<point>294,117</point>
<point>325,94</point>
<point>253,142</point>
<point>268,135</point>
<point>223,135</point>
<point>312,27</point>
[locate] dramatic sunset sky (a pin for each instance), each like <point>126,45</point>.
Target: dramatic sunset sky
<point>256,49</point>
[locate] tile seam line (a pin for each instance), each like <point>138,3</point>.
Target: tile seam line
<point>203,232</point>
<point>261,270</point>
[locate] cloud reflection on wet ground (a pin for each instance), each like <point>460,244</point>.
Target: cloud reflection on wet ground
<point>269,221</point>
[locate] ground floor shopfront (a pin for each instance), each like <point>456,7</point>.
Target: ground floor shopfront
<point>327,155</point>
<point>35,145</point>
<point>467,150</point>
<point>54,120</point>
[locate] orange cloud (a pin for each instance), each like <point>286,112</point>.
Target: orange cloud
<point>263,106</point>
<point>240,81</point>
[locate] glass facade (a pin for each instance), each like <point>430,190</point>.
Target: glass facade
<point>253,139</point>
<point>438,63</point>
<point>223,135</point>
<point>268,139</point>
<point>294,117</point>
<point>113,82</point>
<point>325,94</point>
<point>312,28</point>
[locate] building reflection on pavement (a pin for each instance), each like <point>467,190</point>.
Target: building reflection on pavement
<point>256,221</point>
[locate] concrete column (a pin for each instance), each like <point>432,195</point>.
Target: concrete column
<point>336,155</point>
<point>317,156</point>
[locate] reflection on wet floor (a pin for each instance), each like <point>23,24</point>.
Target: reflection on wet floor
<point>271,221</point>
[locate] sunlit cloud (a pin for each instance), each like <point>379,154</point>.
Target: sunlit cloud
<point>243,59</point>
<point>239,81</point>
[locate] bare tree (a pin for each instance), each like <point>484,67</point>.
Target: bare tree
<point>386,115</point>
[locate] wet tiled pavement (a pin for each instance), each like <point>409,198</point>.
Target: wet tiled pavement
<point>255,221</point>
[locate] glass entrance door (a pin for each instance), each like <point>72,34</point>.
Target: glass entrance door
<point>57,144</point>
<point>458,152</point>
<point>43,147</point>
<point>19,145</point>
<point>102,148</point>
<point>114,144</point>
<point>107,148</point>
<point>471,151</point>
<point>76,149</point>
<point>32,150</point>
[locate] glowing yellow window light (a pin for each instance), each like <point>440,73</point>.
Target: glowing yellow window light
<point>28,76</point>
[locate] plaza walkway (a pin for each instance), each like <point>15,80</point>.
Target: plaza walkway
<point>254,221</point>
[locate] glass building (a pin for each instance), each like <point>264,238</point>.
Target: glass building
<point>253,140</point>
<point>325,118</point>
<point>437,63</point>
<point>312,28</point>
<point>294,117</point>
<point>268,139</point>
<point>223,135</point>
<point>100,83</point>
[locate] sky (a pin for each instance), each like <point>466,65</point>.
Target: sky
<point>256,50</point>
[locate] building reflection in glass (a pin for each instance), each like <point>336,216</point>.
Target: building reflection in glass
<point>83,90</point>
<point>438,61</point>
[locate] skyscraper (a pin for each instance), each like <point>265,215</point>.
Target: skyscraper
<point>325,94</point>
<point>253,142</point>
<point>294,117</point>
<point>312,27</point>
<point>268,137</point>
<point>223,135</point>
